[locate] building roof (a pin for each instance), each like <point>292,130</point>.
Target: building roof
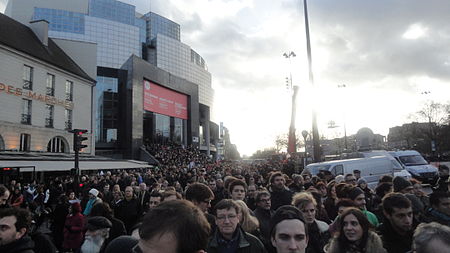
<point>20,37</point>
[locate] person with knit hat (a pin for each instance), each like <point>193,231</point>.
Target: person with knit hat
<point>402,185</point>
<point>93,199</point>
<point>359,198</point>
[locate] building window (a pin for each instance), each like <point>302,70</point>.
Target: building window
<point>69,90</point>
<point>25,142</point>
<point>27,77</point>
<point>56,145</point>
<point>26,111</point>
<point>49,109</point>
<point>68,119</point>
<point>50,89</point>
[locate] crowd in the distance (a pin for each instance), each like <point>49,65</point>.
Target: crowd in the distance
<point>191,204</point>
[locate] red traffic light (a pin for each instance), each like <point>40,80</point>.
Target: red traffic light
<point>81,185</point>
<point>6,169</point>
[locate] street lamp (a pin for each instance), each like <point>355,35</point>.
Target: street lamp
<point>292,145</point>
<point>315,131</point>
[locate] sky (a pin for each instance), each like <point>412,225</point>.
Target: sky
<point>386,53</point>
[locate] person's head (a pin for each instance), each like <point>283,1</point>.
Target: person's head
<point>358,197</point>
<point>398,210</point>
<point>417,187</point>
<point>252,191</point>
<point>93,193</point>
<point>362,183</point>
<point>343,204</point>
<point>357,174</point>
<point>350,179</point>
<point>306,203</point>
<point>237,189</point>
<point>212,184</point>
<point>353,226</point>
<point>106,188</point>
<point>227,218</point>
<point>97,232</point>
<point>402,185</point>
<point>75,208</point>
<point>288,230</point>
<point>155,199</point>
<point>277,180</point>
<point>4,195</point>
<point>248,222</point>
<point>331,190</point>
<point>14,224</point>
<point>322,188</point>
<point>431,237</point>
<point>129,192</point>
<point>102,209</point>
<point>263,200</point>
<point>116,188</point>
<point>444,171</point>
<point>386,179</point>
<point>174,227</point>
<point>441,202</point>
<point>143,186</point>
<point>383,189</point>
<point>342,190</point>
<point>201,195</point>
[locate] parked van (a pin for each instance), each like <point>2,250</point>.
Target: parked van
<point>415,164</point>
<point>401,173</point>
<point>372,169</point>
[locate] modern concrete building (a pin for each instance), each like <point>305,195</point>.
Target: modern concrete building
<point>122,35</point>
<point>43,92</point>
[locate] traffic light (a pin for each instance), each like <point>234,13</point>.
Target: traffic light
<point>78,139</point>
<point>9,171</point>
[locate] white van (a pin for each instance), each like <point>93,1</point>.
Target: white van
<point>372,169</point>
<point>399,170</point>
<point>415,164</point>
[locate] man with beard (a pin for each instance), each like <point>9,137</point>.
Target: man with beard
<point>397,230</point>
<point>14,226</point>
<point>96,234</point>
<point>279,193</point>
<point>4,196</point>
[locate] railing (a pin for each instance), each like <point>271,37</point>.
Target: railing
<point>50,91</point>
<point>48,122</point>
<point>26,119</point>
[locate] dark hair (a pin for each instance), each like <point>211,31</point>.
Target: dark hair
<point>169,193</point>
<point>363,222</point>
<point>155,194</point>
<point>102,209</point>
<point>23,217</point>
<point>435,197</point>
<point>345,203</point>
<point>286,212</point>
<point>348,175</point>
<point>183,219</point>
<point>330,186</point>
<point>261,194</point>
<point>226,204</point>
<point>342,190</point>
<point>382,188</point>
<point>386,179</point>
<point>395,200</point>
<point>198,192</point>
<point>237,182</point>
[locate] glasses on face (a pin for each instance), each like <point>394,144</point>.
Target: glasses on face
<point>225,217</point>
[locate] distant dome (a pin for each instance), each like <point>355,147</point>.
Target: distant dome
<point>365,131</point>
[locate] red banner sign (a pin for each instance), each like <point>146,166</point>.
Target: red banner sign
<point>164,101</point>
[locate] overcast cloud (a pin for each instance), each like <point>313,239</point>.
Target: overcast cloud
<point>386,52</point>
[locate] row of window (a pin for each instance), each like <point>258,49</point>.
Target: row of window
<point>49,114</point>
<point>55,145</point>
<point>50,86</point>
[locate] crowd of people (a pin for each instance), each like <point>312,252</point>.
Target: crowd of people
<point>191,204</point>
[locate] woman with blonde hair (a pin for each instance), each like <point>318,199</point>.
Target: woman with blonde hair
<point>249,223</point>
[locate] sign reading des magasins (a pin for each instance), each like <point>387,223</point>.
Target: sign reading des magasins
<point>11,90</point>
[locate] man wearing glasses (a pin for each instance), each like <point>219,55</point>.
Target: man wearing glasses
<point>350,179</point>
<point>229,236</point>
<point>263,213</point>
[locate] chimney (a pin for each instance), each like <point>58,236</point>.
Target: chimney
<point>40,28</point>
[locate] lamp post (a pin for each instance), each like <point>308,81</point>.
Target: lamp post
<point>292,143</point>
<point>315,131</point>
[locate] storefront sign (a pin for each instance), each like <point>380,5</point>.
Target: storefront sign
<point>164,101</point>
<point>9,89</point>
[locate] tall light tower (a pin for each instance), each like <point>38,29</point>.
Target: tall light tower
<point>315,131</point>
<point>292,143</point>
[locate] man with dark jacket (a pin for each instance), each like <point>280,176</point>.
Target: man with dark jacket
<point>263,213</point>
<point>128,210</point>
<point>397,230</point>
<point>15,223</point>
<point>279,193</point>
<point>440,208</point>
<point>229,236</point>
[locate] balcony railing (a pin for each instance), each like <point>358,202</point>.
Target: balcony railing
<point>48,122</point>
<point>27,85</point>
<point>69,96</point>
<point>50,91</point>
<point>26,119</point>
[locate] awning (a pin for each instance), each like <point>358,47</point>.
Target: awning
<point>65,165</point>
